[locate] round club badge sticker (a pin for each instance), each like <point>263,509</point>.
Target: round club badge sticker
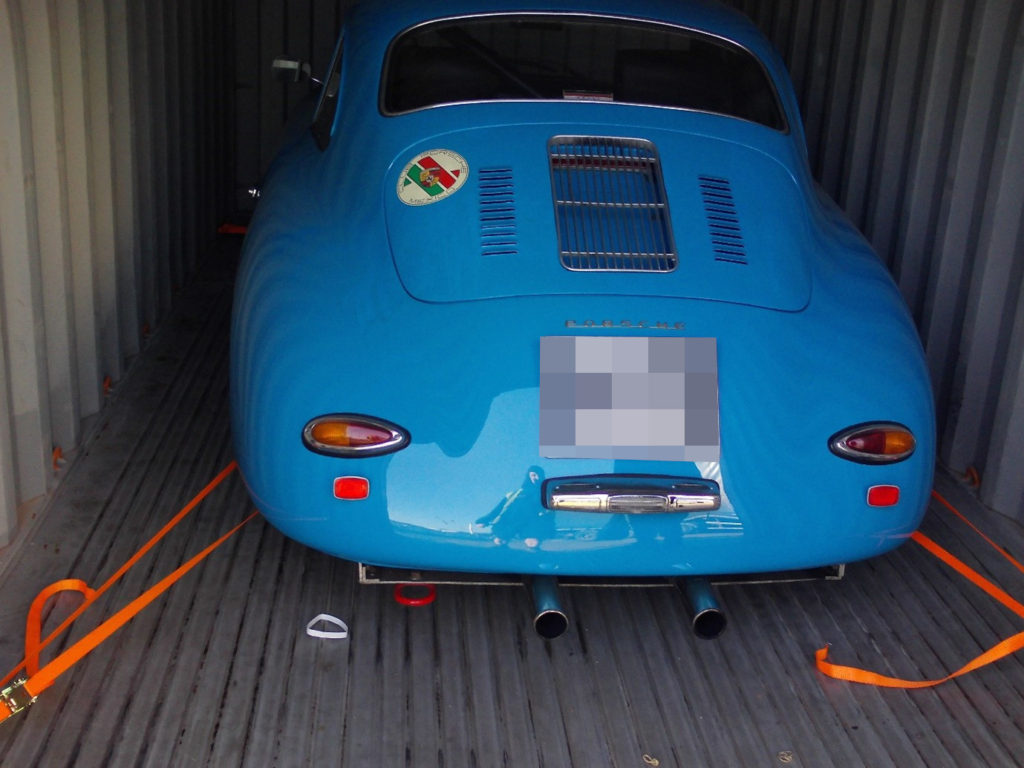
<point>432,176</point>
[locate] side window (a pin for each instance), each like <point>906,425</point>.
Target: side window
<point>327,104</point>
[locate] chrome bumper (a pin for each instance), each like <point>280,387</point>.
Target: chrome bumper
<point>632,495</point>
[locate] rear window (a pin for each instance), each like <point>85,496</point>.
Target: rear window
<point>501,58</point>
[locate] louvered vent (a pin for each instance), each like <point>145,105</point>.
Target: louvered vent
<point>497,213</point>
<point>723,221</point>
<point>610,205</point>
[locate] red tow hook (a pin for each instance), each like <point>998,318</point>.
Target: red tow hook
<point>415,595</point>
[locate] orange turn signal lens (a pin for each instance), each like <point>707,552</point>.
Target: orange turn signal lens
<point>353,435</point>
<point>880,442</point>
<point>340,434</point>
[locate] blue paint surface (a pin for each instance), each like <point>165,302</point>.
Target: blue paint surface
<point>349,300</point>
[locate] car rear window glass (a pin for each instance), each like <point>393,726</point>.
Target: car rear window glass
<point>500,58</point>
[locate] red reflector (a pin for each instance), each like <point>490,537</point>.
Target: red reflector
<point>883,495</point>
<point>351,488</point>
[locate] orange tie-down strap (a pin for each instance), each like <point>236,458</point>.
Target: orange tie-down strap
<point>998,651</point>
<point>19,695</point>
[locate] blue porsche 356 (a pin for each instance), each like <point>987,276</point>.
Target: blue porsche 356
<point>552,293</point>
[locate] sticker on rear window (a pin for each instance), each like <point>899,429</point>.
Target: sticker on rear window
<point>432,176</point>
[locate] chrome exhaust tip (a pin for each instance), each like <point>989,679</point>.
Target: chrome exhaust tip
<point>708,619</point>
<point>550,620</point>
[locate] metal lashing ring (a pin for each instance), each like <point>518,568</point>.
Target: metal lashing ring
<point>413,601</point>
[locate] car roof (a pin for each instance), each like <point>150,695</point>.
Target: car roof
<point>389,17</point>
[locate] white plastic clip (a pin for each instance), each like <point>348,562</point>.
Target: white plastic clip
<point>328,634</point>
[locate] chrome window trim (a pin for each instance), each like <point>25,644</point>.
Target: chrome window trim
<point>323,132</point>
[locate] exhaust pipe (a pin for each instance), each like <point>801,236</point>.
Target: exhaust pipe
<point>550,620</point>
<point>708,619</point>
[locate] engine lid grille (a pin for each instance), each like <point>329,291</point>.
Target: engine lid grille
<point>497,213</point>
<point>723,220</point>
<point>610,206</point>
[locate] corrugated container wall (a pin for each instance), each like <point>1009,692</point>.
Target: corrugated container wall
<point>114,171</point>
<point>915,122</point>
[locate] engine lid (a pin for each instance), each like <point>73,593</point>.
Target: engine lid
<point>526,211</point>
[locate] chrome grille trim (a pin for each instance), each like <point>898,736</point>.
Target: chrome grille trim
<point>497,213</point>
<point>611,211</point>
<point>723,220</point>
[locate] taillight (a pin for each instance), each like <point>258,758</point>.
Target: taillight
<point>878,442</point>
<point>353,436</point>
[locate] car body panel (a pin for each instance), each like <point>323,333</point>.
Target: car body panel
<point>349,300</point>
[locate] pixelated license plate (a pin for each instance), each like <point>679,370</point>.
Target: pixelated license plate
<point>652,398</point>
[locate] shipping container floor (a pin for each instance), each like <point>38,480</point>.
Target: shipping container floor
<point>220,671</point>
